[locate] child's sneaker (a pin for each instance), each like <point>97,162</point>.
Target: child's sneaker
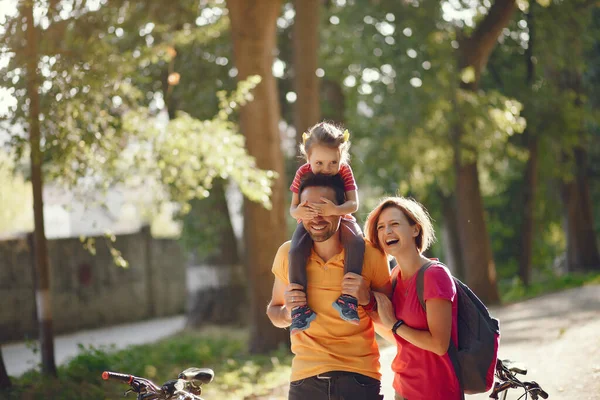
<point>347,306</point>
<point>301,318</point>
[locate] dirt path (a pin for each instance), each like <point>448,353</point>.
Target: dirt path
<point>557,336</point>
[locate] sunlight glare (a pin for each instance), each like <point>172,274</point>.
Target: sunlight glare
<point>278,68</point>
<point>350,81</point>
<point>416,82</point>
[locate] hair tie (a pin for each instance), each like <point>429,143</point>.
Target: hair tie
<point>305,137</point>
<point>346,135</point>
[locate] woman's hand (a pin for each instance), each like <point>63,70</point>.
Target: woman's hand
<point>385,310</point>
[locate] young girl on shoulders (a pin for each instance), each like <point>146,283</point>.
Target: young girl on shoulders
<point>326,149</point>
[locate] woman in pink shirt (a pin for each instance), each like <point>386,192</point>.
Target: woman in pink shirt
<point>402,228</point>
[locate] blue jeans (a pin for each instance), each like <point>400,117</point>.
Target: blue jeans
<point>336,385</point>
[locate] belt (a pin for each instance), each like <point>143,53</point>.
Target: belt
<point>335,374</point>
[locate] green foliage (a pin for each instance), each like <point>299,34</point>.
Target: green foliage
<point>513,290</point>
<point>104,94</point>
<point>404,100</point>
<point>237,374</point>
<point>15,197</point>
<point>559,117</point>
<point>186,154</point>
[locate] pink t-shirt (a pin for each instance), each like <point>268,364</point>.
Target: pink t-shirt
<point>345,173</point>
<point>422,374</point>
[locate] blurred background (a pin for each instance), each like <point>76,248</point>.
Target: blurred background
<point>147,148</point>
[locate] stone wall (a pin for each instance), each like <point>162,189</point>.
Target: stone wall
<point>88,290</point>
<point>217,295</point>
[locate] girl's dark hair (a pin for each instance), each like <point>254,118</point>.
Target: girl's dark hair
<point>329,135</point>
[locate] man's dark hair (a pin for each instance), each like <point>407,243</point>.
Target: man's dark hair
<point>332,181</point>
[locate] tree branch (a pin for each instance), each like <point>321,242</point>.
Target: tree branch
<point>481,43</point>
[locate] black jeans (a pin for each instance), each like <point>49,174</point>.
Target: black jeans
<point>336,385</point>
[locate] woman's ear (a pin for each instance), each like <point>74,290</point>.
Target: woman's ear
<point>416,230</point>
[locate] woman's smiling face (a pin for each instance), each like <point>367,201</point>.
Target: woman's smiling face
<point>394,231</point>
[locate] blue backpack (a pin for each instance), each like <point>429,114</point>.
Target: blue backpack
<point>474,359</point>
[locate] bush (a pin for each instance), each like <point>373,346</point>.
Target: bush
<point>237,373</point>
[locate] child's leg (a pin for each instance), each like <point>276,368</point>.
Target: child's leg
<point>298,257</point>
<point>354,246</point>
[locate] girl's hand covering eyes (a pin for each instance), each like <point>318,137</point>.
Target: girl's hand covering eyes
<point>328,208</point>
<point>306,210</point>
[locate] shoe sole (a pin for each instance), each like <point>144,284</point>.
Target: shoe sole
<point>308,321</point>
<point>339,310</point>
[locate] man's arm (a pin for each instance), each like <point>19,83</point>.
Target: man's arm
<point>276,310</point>
<point>284,298</point>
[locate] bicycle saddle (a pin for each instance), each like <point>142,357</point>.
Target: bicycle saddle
<point>514,367</point>
<point>200,375</point>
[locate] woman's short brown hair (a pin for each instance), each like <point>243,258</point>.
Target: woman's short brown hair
<point>415,213</point>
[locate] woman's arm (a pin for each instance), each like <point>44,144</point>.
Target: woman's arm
<point>383,316</point>
<point>437,338</point>
<point>381,329</point>
<point>439,319</point>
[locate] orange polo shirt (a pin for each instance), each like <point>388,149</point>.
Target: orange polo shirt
<point>332,344</point>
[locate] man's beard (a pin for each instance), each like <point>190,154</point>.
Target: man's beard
<point>323,235</point>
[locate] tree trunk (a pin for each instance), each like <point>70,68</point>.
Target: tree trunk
<point>227,253</point>
<point>5,382</point>
<point>530,185</point>
<point>451,241</point>
<point>253,29</point>
<point>474,240</point>
<point>307,111</point>
<point>582,250</point>
<point>43,291</point>
<point>474,51</point>
<point>527,227</point>
<point>334,106</point>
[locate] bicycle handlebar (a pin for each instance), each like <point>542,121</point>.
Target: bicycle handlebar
<point>507,380</point>
<point>536,386</point>
<point>106,375</point>
<point>188,386</point>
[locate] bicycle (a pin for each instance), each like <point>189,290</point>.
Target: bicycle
<point>506,372</point>
<point>187,386</point>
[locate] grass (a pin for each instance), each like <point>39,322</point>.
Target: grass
<point>514,290</point>
<point>238,375</point>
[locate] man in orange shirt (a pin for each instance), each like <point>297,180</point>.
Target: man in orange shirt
<point>333,360</point>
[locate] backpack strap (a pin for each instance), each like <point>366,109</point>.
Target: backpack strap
<point>394,275</point>
<point>421,281</point>
<point>396,272</point>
